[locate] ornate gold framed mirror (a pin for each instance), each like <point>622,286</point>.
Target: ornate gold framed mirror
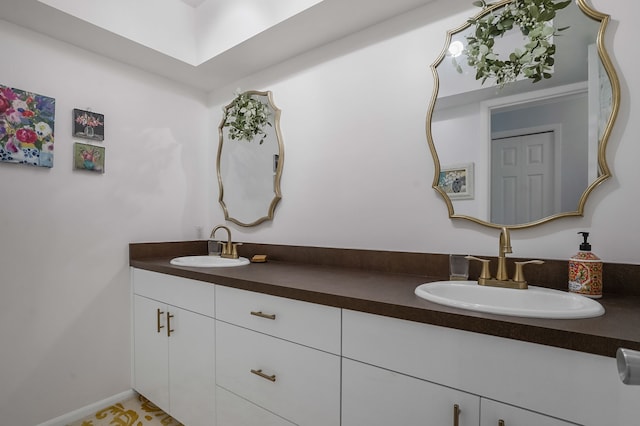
<point>525,97</point>
<point>250,158</point>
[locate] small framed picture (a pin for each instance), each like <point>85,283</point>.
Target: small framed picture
<point>457,181</point>
<point>88,125</point>
<point>88,157</point>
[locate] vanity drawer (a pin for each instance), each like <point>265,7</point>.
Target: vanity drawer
<point>296,382</point>
<point>309,324</point>
<point>192,295</point>
<point>232,410</point>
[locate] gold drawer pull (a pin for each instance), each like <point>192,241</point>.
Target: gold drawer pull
<point>159,326</point>
<point>456,415</point>
<point>169,329</point>
<point>261,315</point>
<point>271,378</point>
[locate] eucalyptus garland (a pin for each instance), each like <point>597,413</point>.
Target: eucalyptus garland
<point>246,117</point>
<point>534,60</point>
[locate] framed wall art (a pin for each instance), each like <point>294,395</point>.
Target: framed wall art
<point>88,125</point>
<point>26,127</point>
<point>457,181</point>
<point>88,157</point>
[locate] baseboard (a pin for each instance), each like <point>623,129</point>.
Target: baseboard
<point>87,410</point>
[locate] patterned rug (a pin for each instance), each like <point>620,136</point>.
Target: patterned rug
<point>135,411</point>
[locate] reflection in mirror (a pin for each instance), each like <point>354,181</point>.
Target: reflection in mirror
<point>250,158</point>
<point>535,136</point>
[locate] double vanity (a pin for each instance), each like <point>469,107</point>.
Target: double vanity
<point>336,337</point>
<point>327,342</point>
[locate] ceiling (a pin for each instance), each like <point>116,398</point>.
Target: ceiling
<point>325,21</point>
<point>193,3</point>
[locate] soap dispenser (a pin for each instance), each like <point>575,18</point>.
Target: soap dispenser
<point>585,271</point>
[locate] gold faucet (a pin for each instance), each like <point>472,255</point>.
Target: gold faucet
<point>505,247</point>
<point>229,249</point>
<point>502,277</point>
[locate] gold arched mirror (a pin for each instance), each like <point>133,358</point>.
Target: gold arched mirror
<point>250,158</point>
<point>524,100</point>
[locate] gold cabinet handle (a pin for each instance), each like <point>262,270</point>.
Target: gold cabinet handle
<point>500,422</point>
<point>271,378</point>
<point>456,415</point>
<point>158,315</point>
<point>262,315</point>
<point>169,329</point>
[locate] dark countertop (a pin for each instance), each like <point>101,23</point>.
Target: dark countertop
<point>392,294</point>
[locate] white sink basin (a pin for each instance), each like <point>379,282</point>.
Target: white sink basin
<point>208,261</point>
<point>534,302</point>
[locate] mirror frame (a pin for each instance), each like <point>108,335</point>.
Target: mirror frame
<point>278,174</point>
<point>603,169</point>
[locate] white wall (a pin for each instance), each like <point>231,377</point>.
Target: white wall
<point>358,171</point>
<point>64,234</point>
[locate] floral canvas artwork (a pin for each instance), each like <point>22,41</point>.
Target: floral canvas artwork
<point>26,127</point>
<point>88,157</point>
<point>88,125</point>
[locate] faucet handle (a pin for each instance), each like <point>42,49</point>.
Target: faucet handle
<point>519,276</point>
<point>484,274</point>
<point>223,247</point>
<point>234,250</point>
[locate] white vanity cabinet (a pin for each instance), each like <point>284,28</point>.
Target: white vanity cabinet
<point>521,383</point>
<point>263,360</point>
<point>278,358</point>
<point>174,345</point>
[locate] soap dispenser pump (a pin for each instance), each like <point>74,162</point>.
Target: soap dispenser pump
<point>585,271</point>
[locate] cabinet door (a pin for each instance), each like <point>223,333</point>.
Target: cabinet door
<point>493,412</point>
<point>373,396</point>
<point>192,367</point>
<point>150,352</point>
